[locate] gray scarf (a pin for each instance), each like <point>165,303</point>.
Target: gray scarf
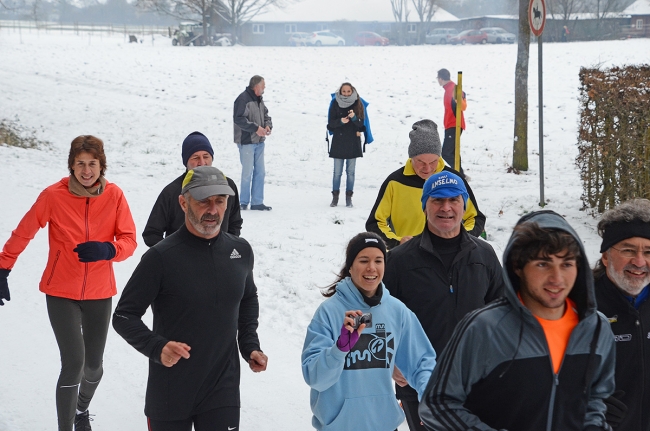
<point>346,101</point>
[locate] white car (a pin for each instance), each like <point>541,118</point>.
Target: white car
<point>440,35</point>
<point>323,38</point>
<point>499,35</point>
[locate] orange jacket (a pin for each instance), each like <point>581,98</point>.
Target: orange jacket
<point>73,220</point>
<point>450,107</point>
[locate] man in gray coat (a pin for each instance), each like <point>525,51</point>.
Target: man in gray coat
<point>252,125</point>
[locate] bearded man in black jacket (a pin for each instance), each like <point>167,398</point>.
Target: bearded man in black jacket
<point>622,276</point>
<point>441,274</point>
<point>199,284</point>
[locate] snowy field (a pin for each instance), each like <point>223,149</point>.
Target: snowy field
<point>143,99</point>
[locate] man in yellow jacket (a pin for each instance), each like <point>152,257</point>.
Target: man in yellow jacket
<point>397,214</point>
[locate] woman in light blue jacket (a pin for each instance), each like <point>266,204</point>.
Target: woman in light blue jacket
<point>355,340</point>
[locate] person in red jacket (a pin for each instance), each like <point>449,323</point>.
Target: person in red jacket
<point>90,227</point>
<point>449,143</point>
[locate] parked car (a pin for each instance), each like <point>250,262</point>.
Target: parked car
<point>325,37</point>
<point>298,39</point>
<point>440,35</point>
<point>469,36</point>
<point>499,35</point>
<point>370,38</point>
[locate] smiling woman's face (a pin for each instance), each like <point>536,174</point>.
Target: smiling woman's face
<point>346,91</point>
<point>86,169</point>
<point>367,270</point>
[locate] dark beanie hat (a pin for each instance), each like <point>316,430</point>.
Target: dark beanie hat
<point>195,141</point>
<point>616,232</point>
<point>361,241</point>
<point>424,139</point>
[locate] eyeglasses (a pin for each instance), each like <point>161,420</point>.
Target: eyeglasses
<point>633,252</point>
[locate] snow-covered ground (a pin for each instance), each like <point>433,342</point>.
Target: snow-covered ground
<point>143,99</point>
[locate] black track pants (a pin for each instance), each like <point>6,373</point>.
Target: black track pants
<point>449,149</point>
<point>221,419</point>
<point>80,328</point>
<point>409,398</point>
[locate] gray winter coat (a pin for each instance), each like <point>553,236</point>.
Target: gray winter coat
<point>249,113</point>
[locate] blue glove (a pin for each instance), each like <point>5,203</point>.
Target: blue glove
<point>4,287</point>
<point>92,251</point>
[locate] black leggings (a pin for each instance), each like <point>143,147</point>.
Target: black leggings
<point>80,328</point>
<point>221,419</point>
<point>449,149</point>
<point>409,398</point>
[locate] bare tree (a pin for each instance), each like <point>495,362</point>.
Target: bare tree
<point>562,10</point>
<point>401,15</point>
<point>520,144</point>
<point>12,5</point>
<point>601,8</point>
<point>239,12</point>
<point>194,10</point>
<point>425,10</point>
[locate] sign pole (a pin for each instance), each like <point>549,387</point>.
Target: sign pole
<point>537,21</point>
<point>540,84</point>
<point>459,113</point>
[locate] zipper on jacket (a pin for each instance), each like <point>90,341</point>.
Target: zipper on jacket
<point>83,286</point>
<point>451,286</point>
<point>56,259</point>
<point>551,407</point>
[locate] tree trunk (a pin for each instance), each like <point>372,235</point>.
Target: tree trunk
<point>520,144</point>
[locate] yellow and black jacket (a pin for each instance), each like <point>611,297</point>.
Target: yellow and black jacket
<point>398,209</point>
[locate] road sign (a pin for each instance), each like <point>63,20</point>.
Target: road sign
<point>537,16</point>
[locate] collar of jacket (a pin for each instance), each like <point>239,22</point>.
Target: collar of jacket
<point>253,95</point>
<point>408,167</point>
<point>583,293</point>
<point>352,297</point>
<point>466,244</point>
<point>616,294</point>
<point>197,240</point>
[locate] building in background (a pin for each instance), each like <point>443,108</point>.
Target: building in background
<point>344,18</point>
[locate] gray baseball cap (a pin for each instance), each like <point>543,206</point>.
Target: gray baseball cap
<point>205,181</point>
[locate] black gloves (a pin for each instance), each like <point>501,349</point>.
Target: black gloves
<point>4,287</point>
<point>92,251</point>
<point>616,410</point>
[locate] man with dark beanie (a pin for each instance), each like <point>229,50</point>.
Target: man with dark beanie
<point>622,276</point>
<point>441,274</point>
<point>396,215</point>
<point>167,215</point>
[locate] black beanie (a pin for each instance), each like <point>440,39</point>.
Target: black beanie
<point>195,141</point>
<point>619,231</point>
<point>361,241</point>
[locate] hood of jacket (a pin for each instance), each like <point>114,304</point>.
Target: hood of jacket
<point>351,297</point>
<point>583,293</point>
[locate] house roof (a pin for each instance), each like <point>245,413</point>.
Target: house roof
<point>639,7</point>
<point>339,10</point>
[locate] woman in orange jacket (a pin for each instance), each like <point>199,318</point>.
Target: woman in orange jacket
<point>90,226</point>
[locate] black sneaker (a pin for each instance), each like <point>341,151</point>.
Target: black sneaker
<point>243,207</point>
<point>82,422</point>
<point>260,207</point>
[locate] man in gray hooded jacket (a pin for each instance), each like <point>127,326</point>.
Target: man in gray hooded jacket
<point>542,358</point>
<point>252,125</point>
